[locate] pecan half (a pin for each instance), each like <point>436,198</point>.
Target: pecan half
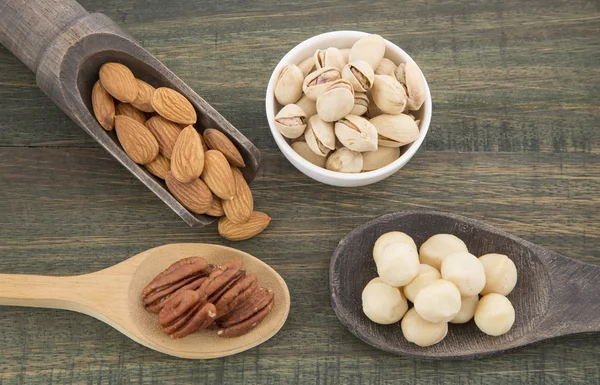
<point>219,278</point>
<point>246,326</point>
<point>255,303</point>
<point>201,318</point>
<point>234,292</point>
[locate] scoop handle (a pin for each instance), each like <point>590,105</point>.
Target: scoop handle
<point>27,27</point>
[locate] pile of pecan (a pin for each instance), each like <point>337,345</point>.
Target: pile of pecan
<point>193,294</point>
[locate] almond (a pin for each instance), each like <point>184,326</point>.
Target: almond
<point>119,82</point>
<point>187,159</point>
<point>165,132</point>
<point>218,175</point>
<point>137,141</point>
<point>240,208</point>
<point>195,196</point>
<point>103,106</point>
<point>204,146</point>
<point>143,100</point>
<point>216,140</point>
<point>159,166</point>
<point>173,106</point>
<point>216,208</point>
<point>129,110</point>
<point>238,232</point>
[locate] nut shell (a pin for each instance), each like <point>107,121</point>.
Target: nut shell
<point>356,133</point>
<point>336,101</point>
<point>409,75</point>
<point>361,103</point>
<point>317,82</point>
<point>373,160</point>
<point>386,67</point>
<point>370,49</point>
<point>388,94</point>
<point>288,88</point>
<point>395,130</point>
<point>345,160</point>
<point>304,151</point>
<point>291,121</point>
<point>319,135</point>
<point>330,57</point>
<point>360,74</point>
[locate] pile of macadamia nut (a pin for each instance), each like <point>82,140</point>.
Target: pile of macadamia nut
<point>444,282</point>
<point>350,110</point>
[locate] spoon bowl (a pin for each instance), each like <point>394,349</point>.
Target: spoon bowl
<point>113,295</point>
<point>554,295</point>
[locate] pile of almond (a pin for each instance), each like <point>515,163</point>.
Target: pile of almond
<point>155,127</point>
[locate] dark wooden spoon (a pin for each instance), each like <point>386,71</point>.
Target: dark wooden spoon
<point>65,46</point>
<point>554,295</point>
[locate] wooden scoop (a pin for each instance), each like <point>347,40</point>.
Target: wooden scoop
<point>65,46</point>
<point>113,295</point>
<point>554,295</point>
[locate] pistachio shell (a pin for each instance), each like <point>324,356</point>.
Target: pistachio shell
<point>410,76</point>
<point>356,133</point>
<point>395,130</point>
<point>373,160</point>
<point>386,67</point>
<point>291,121</point>
<point>372,109</point>
<point>345,54</point>
<point>360,74</point>
<point>309,106</point>
<point>336,102</point>
<point>319,135</point>
<point>388,94</point>
<point>316,82</point>
<point>289,85</point>
<point>370,49</point>
<point>307,65</point>
<point>361,102</point>
<point>304,151</point>
<point>345,160</point>
<point>330,57</point>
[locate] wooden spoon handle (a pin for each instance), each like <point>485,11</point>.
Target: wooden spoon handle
<point>40,291</point>
<point>28,26</point>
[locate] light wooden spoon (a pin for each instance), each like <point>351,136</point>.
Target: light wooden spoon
<point>113,295</point>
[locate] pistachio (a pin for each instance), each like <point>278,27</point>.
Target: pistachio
<point>345,160</point>
<point>356,133</point>
<point>388,94</point>
<point>395,130</point>
<point>372,109</point>
<point>316,82</point>
<point>360,74</point>
<point>345,54</point>
<point>304,151</point>
<point>307,105</point>
<point>336,101</point>
<point>288,88</point>
<point>330,57</point>
<point>319,135</point>
<point>410,76</point>
<point>370,49</point>
<point>291,121</point>
<point>361,102</point>
<point>307,65</point>
<point>386,67</point>
<point>373,160</point>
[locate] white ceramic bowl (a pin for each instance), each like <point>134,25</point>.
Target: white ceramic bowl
<point>342,39</point>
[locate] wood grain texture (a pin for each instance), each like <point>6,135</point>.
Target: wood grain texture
<point>514,141</point>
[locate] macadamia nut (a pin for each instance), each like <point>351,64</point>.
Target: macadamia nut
<point>398,264</point>
<point>382,303</point>
<point>438,302</point>
<point>465,271</point>
<point>436,248</point>
<point>494,314</point>
<point>387,238</point>
<point>467,310</point>
<point>500,274</point>
<point>421,332</point>
<point>426,275</point>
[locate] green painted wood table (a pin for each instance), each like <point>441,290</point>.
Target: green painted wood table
<point>514,141</point>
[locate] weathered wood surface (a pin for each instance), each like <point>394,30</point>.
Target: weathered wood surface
<point>514,141</point>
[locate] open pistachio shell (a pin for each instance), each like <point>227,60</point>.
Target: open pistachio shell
<point>356,133</point>
<point>304,151</point>
<point>370,49</point>
<point>336,102</point>
<point>345,160</point>
<point>372,109</point>
<point>360,74</point>
<point>395,130</point>
<point>319,135</point>
<point>386,67</point>
<point>330,57</point>
<point>308,106</point>
<point>288,88</point>
<point>307,65</point>
<point>291,121</point>
<point>373,160</point>
<point>345,54</point>
<point>361,102</point>
<point>388,94</point>
<point>316,82</point>
<point>410,76</point>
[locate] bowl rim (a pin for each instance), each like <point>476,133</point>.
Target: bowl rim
<point>323,172</point>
